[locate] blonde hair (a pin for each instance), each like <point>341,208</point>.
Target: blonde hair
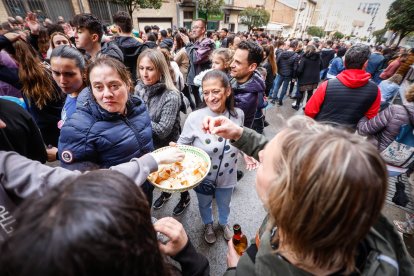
<point>329,191</point>
<point>161,66</point>
<point>409,94</point>
<point>225,54</point>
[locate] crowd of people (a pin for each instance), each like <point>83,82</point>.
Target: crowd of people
<point>100,100</point>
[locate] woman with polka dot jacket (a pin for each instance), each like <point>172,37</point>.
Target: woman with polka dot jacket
<point>219,100</point>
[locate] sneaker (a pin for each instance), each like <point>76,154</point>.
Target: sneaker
<point>295,107</point>
<point>182,204</point>
<point>280,103</point>
<point>209,234</point>
<point>403,227</point>
<point>273,101</point>
<point>227,233</point>
<point>266,123</point>
<point>240,175</point>
<point>164,197</point>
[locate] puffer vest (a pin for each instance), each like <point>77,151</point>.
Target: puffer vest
<point>343,105</point>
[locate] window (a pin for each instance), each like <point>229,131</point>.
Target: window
<point>226,18</point>
<point>188,15</point>
<point>104,9</point>
<point>50,9</point>
<point>187,25</point>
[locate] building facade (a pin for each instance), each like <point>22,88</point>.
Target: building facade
<point>287,17</point>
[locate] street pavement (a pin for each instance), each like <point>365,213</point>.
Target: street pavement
<point>246,208</point>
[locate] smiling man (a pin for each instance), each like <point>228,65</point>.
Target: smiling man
<point>246,82</point>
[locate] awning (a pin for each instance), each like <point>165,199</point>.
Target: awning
<point>274,26</point>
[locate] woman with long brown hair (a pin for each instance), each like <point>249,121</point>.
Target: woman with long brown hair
<point>43,97</point>
<point>269,63</point>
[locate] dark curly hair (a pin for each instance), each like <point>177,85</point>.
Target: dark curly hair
<point>255,52</point>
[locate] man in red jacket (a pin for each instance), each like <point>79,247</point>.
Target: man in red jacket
<point>350,96</point>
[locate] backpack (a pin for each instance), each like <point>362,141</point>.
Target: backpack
<point>400,152</point>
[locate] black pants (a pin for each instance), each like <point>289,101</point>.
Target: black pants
<point>300,96</point>
<point>196,94</point>
<point>258,124</point>
<point>186,92</point>
<point>147,188</point>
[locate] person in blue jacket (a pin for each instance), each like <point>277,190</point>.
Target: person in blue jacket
<point>110,125</point>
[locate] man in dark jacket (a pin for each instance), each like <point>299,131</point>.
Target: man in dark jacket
<point>327,54</point>
<point>198,54</point>
<point>88,36</point>
<point>166,42</point>
<point>246,82</point>
<point>287,64</point>
<point>375,64</point>
<point>350,96</point>
<point>130,47</point>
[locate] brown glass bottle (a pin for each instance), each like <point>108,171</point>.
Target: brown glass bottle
<point>239,240</point>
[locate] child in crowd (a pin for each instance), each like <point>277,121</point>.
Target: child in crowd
<point>220,60</point>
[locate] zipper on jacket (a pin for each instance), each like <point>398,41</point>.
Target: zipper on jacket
<point>134,130</point>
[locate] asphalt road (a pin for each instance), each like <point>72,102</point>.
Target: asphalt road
<point>246,208</point>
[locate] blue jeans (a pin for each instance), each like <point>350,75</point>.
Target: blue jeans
<point>279,80</point>
<point>323,73</point>
<point>223,199</point>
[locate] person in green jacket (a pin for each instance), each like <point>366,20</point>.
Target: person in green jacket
<point>324,189</point>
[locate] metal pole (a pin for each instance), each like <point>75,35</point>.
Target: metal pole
<point>196,2</point>
<point>81,9</point>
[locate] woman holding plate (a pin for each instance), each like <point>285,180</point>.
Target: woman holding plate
<point>222,178</point>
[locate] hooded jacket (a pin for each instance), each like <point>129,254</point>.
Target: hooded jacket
<point>308,69</point>
<point>131,49</point>
<point>199,56</point>
<point>151,44</point>
<point>94,136</point>
<point>327,54</point>
<point>345,99</point>
<point>109,49</point>
<point>287,63</point>
<point>385,127</point>
<point>246,96</point>
<point>167,43</point>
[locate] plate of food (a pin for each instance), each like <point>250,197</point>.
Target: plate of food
<point>184,175</point>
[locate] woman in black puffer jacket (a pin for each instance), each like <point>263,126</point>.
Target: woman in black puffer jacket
<point>308,74</point>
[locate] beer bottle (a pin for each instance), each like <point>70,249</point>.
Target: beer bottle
<point>239,240</point>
